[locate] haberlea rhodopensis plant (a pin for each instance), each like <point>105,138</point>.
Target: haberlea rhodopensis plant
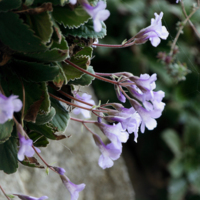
<point>46,51</point>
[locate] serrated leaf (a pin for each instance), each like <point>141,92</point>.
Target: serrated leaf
<point>33,91</point>
<point>17,35</point>
<point>72,73</point>
<point>47,130</point>
<point>38,139</point>
<point>6,130</point>
<point>8,156</point>
<point>45,107</point>
<point>52,55</point>
<point>43,119</point>
<point>173,141</point>
<point>70,18</point>
<point>85,31</point>
<point>42,25</point>
<point>34,72</point>
<point>61,118</point>
<point>31,162</point>
<point>6,5</point>
<point>60,45</point>
<point>85,79</point>
<point>86,51</point>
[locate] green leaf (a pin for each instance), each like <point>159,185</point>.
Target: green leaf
<point>28,2</point>
<point>52,55</point>
<point>6,130</point>
<point>85,79</point>
<point>38,139</point>
<point>70,18</point>
<point>34,72</point>
<point>8,155</point>
<point>194,179</point>
<point>46,129</point>
<point>43,119</point>
<point>45,107</point>
<point>60,45</point>
<point>72,73</point>
<point>17,35</point>
<point>177,189</point>
<point>42,25</point>
<point>6,5</point>
<point>173,141</point>
<point>86,51</point>
<point>61,118</point>
<point>85,31</point>
<point>176,168</point>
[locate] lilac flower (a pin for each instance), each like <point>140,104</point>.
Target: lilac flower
<point>145,82</point>
<point>73,1</point>
<point>148,117</point>
<point>115,133</point>
<point>25,197</point>
<point>60,170</point>
<point>177,1</point>
<point>72,188</point>
<point>9,105</point>
<point>109,153</point>
<point>98,14</point>
<point>129,119</point>
<point>26,148</point>
<point>87,98</point>
<point>153,32</point>
<point>120,96</point>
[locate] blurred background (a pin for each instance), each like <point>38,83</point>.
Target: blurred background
<point>165,163</point>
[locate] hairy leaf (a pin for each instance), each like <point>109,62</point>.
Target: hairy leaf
<point>6,5</point>
<point>17,35</point>
<point>70,18</point>
<point>85,31</point>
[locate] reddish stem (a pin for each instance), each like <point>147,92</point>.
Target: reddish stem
<point>4,193</point>
<point>117,45</point>
<point>96,76</point>
<point>82,121</point>
<point>72,104</point>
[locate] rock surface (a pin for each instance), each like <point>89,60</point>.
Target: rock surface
<point>78,155</point>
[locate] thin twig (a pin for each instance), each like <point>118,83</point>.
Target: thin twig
<point>191,24</point>
<point>4,193</point>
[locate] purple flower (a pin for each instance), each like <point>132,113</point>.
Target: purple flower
<point>115,133</point>
<point>72,188</point>
<point>9,105</point>
<point>153,32</point>
<point>60,170</point>
<point>26,148</point>
<point>73,1</point>
<point>109,153</point>
<point>177,1</point>
<point>87,98</point>
<point>98,14</point>
<point>120,96</point>
<point>129,119</point>
<point>25,197</point>
<point>145,82</point>
<point>148,117</point>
